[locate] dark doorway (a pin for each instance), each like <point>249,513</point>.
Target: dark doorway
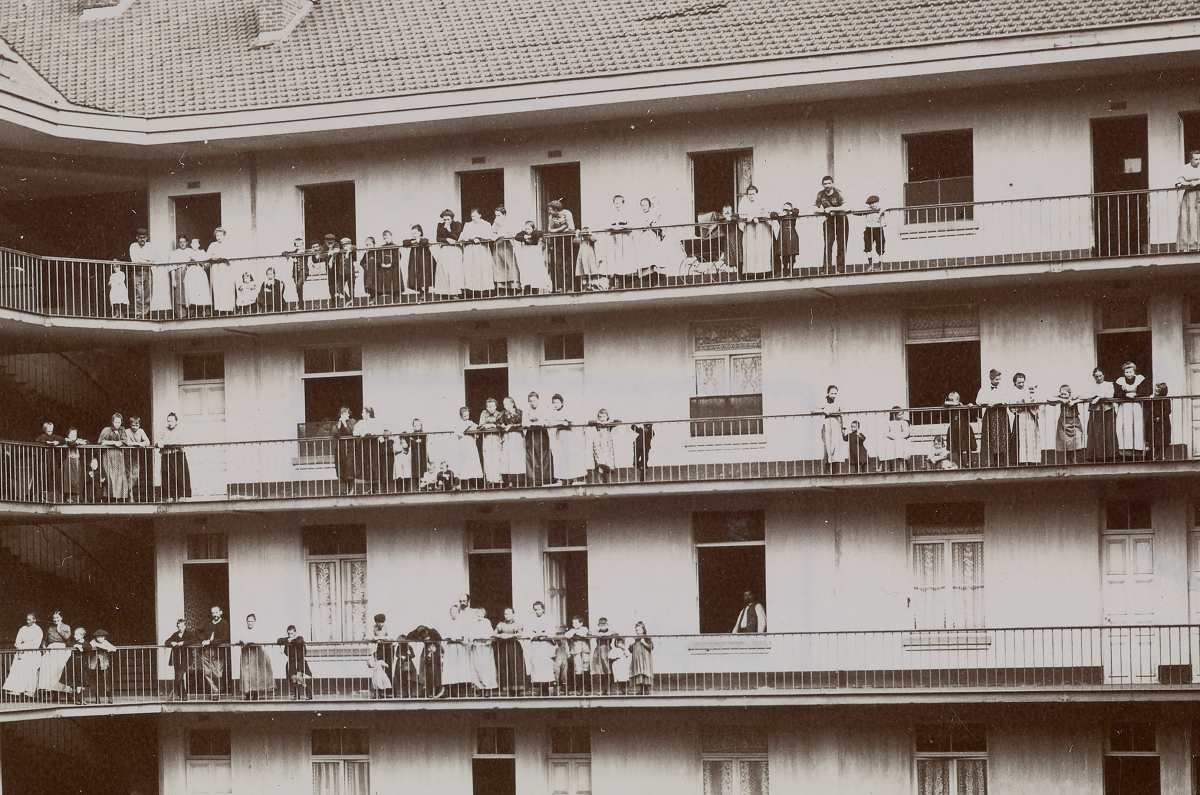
<point>1113,350</point>
<point>196,217</point>
<point>725,572</point>
<point>559,182</point>
<point>324,397</point>
<point>1131,775</point>
<point>567,586</point>
<point>482,190</point>
<point>329,210</point>
<point>484,383</point>
<point>96,226</point>
<point>935,369</point>
<point>494,777</point>
<point>719,178</point>
<point>490,580</point>
<point>205,585</point>
<point>1119,170</point>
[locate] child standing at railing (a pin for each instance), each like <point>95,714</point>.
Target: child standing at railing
<point>940,457</point>
<point>247,294</point>
<point>857,449</point>
<point>118,291</point>
<point>873,231</point>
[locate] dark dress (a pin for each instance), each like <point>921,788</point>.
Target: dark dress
<point>51,469</point>
<point>789,240</point>
<point>960,439</point>
<point>298,672</point>
<point>347,448</point>
<point>270,296</point>
<point>858,459</point>
<point>420,264</point>
<point>1102,431</point>
<point>381,274</point>
<point>1158,427</point>
<point>995,435</point>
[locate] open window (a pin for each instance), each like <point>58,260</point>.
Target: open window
<point>942,353</point>
<point>332,379</point>
<point>329,210</point>
<point>566,564</point>
<point>482,190</point>
<point>558,182</point>
<point>941,177</point>
<point>489,567</point>
<point>1123,335</point>
<point>731,558</point>
<point>727,359</point>
<point>485,374</point>
<point>196,216</point>
<point>719,179</point>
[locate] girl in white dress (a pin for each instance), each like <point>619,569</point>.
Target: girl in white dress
<point>22,677</point>
<point>1026,421</point>
<point>118,291</point>
<point>758,236</point>
<point>893,447</point>
<point>477,234</point>
<point>195,280</point>
<point>531,260</point>
<point>833,441</point>
<point>224,288</point>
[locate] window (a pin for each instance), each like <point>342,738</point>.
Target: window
<point>207,546</point>
<point>341,761</point>
<point>947,556</point>
<point>720,178</point>
<point>951,759</point>
<point>942,352</point>
<point>1131,764</point>
<point>328,210</point>
<point>1128,547</point>
<point>734,760</point>
<point>494,768</point>
<point>486,373</point>
<point>941,169</point>
<point>337,582</point>
<point>1189,121</point>
<point>488,351</point>
<point>203,366</point>
<point>1123,335</point>
<point>727,359</point>
<point>570,760</point>
<point>731,558</point>
<point>209,769</point>
<point>482,190</point>
<point>489,567</point>
<point>563,347</point>
<point>332,379</point>
<point>196,216</point>
<point>566,567</point>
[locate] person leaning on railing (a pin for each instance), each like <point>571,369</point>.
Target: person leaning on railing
<point>1187,237</point>
<point>297,670</point>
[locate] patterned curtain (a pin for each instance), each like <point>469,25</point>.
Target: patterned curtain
<point>968,583</point>
<point>354,585</point>
<point>753,775</point>
<point>320,592</point>
<point>325,778</point>
<point>744,177</point>
<point>718,778</point>
<point>929,566</point>
<point>972,777</point>
<point>933,777</point>
<point>747,375</point>
<point>710,377</point>
<point>356,778</point>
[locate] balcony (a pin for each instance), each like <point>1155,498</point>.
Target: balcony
<point>792,667</point>
<point>958,234</point>
<point>1149,435</point>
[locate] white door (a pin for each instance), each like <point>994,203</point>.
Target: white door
<point>202,421</point>
<point>1193,348</point>
<point>209,777</point>
<point>570,776</point>
<point>566,380</point>
<point>1194,601</point>
<point>1130,653</point>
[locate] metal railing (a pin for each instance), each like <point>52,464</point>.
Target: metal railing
<point>717,250</point>
<point>964,659</point>
<point>703,448</point>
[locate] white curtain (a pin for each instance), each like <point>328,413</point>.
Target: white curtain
<point>929,581</point>
<point>972,777</point>
<point>968,583</point>
<point>356,778</point>
<point>933,777</point>
<point>718,778</point>
<point>326,776</point>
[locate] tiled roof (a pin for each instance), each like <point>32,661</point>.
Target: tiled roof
<point>165,57</point>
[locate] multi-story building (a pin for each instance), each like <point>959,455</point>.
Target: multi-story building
<point>1026,160</point>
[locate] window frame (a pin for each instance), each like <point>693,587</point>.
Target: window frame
<point>342,615</point>
<point>939,214</point>
<point>946,524</point>
<point>342,760</point>
<point>209,761</point>
<point>204,357</point>
<point>697,546</point>
<point>547,336</point>
<point>728,420</point>
<point>954,757</point>
<point>734,756</point>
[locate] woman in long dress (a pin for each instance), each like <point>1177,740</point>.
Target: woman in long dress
<point>196,289</point>
<point>995,434</point>
<point>641,668</point>
<point>1102,420</point>
<point>258,679</point>
<point>789,239</point>
<point>466,465</point>
<point>477,254</point>
<point>221,276</point>
<point>512,450</point>
<point>1131,433</point>
<point>1025,422</point>
<point>56,656</point>
<point>421,270</point>
<point>833,436</point>
<point>510,654</point>
<point>569,456</point>
<point>1158,423</point>
<point>960,437</point>
<point>22,679</point>
<point>531,260</point>
<point>1187,237</point>
<point>493,448</point>
<point>160,288</point>
<point>506,275</point>
<point>1068,437</point>
<point>119,486</point>
<point>648,237</point>
<point>176,478</point>
<point>620,257</point>
<point>758,237</point>
<point>483,655</point>
<point>893,447</point>
<point>542,646</point>
<point>448,257</point>
<point>456,655</point>
<point>539,470</point>
<point>178,263</point>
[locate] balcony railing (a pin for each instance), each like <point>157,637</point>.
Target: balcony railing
<point>1025,435</point>
<point>952,233</point>
<point>777,664</point>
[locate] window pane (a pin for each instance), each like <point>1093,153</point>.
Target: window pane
<point>581,740</point>
<point>318,360</point>
<point>325,778</point>
<point>940,155</point>
<point>356,778</point>
<point>505,740</point>
<point>1124,313</point>
<point>718,778</point>
<point>968,583</point>
<point>753,777</point>
<point>710,377</point>
<point>193,367</point>
<point>972,777</point>
<point>933,737</point>
<point>560,740</point>
<point>485,740</point>
<point>929,571</point>
<point>746,375</point>
<point>553,347</point>
<point>356,742</point>
<point>208,742</point>
<point>573,346</point>
<point>969,737</point>
<point>933,777</point>
<point>321,594</point>
<point>354,584</point>
<point>347,359</point>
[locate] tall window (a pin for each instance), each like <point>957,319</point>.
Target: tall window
<point>1131,765</point>
<point>942,349</point>
<point>485,374</point>
<point>332,379</point>
<point>570,760</point>
<point>337,582</point>
<point>951,759</point>
<point>562,370</point>
<point>734,759</point>
<point>566,565</point>
<point>947,558</point>
<point>1123,335</point>
<point>494,767</point>
<point>489,567</point>
<point>209,769</point>
<point>941,177</point>
<point>1128,542</point>
<point>731,558</point>
<point>727,359</point>
<point>341,761</point>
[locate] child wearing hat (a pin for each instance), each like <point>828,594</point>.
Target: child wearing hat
<point>99,663</point>
<point>873,231</point>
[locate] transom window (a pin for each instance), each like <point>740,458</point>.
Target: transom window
<point>207,546</point>
<point>951,759</point>
<point>563,347</point>
<point>333,360</point>
<point>947,558</point>
<point>209,768</point>
<point>734,760</point>
<point>566,533</point>
<point>570,760</point>
<point>493,350</point>
<point>494,767</point>
<point>1127,515</point>
<point>337,571</point>
<point>203,366</point>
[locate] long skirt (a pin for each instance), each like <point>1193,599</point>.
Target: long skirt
<point>570,460</point>
<point>994,441</point>
<point>493,451</point>
<point>832,443</point>
<point>510,664</point>
<point>504,263</point>
<point>176,479</point>
<point>1070,430</point>
<point>620,256</point>
<point>421,270</point>
<point>54,661</point>
<point>477,267</point>
<point>758,243</point>
<point>1131,434</point>
<point>649,249</point>
<point>120,487</point>
<point>195,286</point>
<point>1187,237</point>
<point>641,668</point>
<point>73,475</point>
<point>1102,433</point>
<point>1029,442</point>
<point>531,262</point>
<point>466,464</point>
<point>160,288</point>
<point>512,454</point>
<point>224,286</point>
<point>540,661</point>
<point>538,468</point>
<point>586,261</point>
<point>483,665</point>
<point>257,675</point>
<point>456,663</point>
<point>22,677</point>
<point>448,271</point>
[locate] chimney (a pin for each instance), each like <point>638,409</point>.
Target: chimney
<point>102,9</point>
<point>278,18</point>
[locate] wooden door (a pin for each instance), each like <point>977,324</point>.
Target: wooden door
<point>570,776</point>
<point>1130,651</point>
<point>202,421</point>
